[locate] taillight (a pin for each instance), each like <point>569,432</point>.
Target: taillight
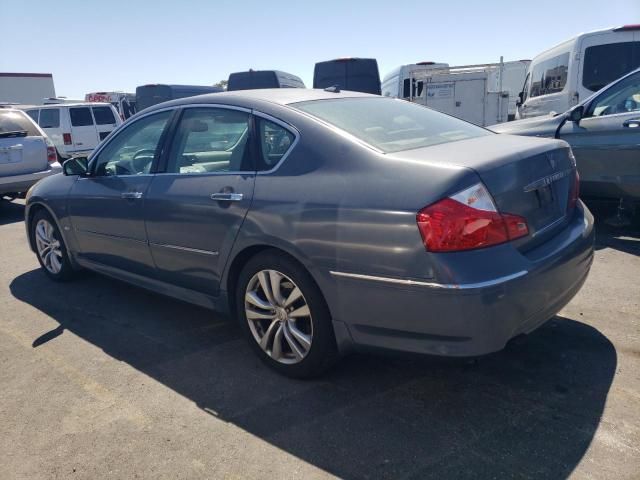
<point>66,137</point>
<point>466,221</point>
<point>52,155</point>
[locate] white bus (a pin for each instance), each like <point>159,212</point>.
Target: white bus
<point>562,76</point>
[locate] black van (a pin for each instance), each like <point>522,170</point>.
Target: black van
<point>254,79</point>
<point>148,95</point>
<point>355,74</point>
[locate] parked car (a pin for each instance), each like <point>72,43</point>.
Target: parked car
<point>604,133</point>
<point>354,74</point>
<point>562,76</point>
<point>26,154</point>
<point>76,128</point>
<point>253,79</point>
<point>326,221</point>
<point>149,95</point>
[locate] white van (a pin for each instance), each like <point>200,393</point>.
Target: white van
<point>562,76</point>
<point>397,83</point>
<point>75,129</point>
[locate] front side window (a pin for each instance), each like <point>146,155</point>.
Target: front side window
<point>210,140</point>
<point>623,98</point>
<point>549,76</point>
<point>50,118</point>
<point>103,115</point>
<point>605,63</point>
<point>275,142</point>
<point>132,150</point>
<point>80,116</point>
<point>391,125</point>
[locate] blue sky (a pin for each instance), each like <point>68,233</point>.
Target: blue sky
<point>117,45</point>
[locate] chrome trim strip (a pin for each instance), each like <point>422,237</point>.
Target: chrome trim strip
<point>185,249</point>
<point>550,226</point>
<point>416,283</point>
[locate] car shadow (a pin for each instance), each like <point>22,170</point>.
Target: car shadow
<point>11,212</point>
<point>531,410</point>
<point>625,238</point>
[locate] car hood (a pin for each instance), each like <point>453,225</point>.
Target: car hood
<point>543,126</point>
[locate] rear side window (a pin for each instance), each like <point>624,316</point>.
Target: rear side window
<point>605,63</point>
<point>33,114</point>
<point>391,125</point>
<point>549,76</point>
<point>50,118</point>
<point>275,142</point>
<point>15,121</point>
<point>103,116</point>
<point>80,116</point>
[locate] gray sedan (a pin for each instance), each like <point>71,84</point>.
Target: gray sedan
<point>604,133</point>
<point>326,221</point>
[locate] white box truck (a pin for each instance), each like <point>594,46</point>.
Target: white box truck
<point>26,88</point>
<point>480,94</point>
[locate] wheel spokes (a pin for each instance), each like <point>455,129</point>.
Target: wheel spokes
<point>301,312</point>
<point>265,283</point>
<point>302,338</point>
<point>295,349</point>
<point>293,296</point>
<point>264,343</point>
<point>276,350</point>
<point>256,301</point>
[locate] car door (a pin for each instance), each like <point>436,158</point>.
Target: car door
<point>107,207</point>
<point>83,130</point>
<point>196,206</point>
<point>606,142</point>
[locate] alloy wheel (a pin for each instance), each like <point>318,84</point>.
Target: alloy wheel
<point>279,316</point>
<point>48,246</point>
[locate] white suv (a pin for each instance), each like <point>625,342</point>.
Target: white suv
<point>76,129</point>
<point>26,154</point>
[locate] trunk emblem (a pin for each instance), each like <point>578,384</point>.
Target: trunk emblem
<point>548,180</point>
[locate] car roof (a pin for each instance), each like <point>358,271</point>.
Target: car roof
<point>249,98</point>
<point>78,104</point>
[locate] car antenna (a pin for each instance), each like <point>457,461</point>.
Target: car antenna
<point>333,89</point>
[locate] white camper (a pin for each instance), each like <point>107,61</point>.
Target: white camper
<point>564,75</point>
<point>397,83</point>
<point>480,94</point>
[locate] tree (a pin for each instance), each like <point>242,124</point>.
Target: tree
<point>221,83</point>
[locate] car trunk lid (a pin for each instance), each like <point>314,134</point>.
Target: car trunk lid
<point>526,176</point>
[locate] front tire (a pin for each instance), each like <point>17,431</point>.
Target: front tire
<point>50,248</point>
<point>284,316</point>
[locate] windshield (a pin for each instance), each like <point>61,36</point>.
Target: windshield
<point>391,125</point>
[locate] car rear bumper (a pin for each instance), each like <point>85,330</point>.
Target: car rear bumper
<point>468,319</point>
<point>22,183</point>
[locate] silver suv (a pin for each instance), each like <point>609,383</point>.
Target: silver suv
<point>26,154</point>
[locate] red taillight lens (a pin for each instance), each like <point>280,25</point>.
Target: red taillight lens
<point>466,221</point>
<point>52,155</point>
<point>66,137</point>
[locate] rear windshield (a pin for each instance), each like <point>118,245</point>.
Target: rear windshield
<point>12,121</point>
<point>391,125</point>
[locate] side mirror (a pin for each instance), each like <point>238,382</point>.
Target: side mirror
<point>576,113</point>
<point>76,166</point>
<point>520,97</point>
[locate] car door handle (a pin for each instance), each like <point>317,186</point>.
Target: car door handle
<point>226,197</point>
<point>130,195</point>
<point>632,123</point>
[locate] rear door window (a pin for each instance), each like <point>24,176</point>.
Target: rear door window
<point>50,118</point>
<point>605,63</point>
<point>103,116</point>
<point>80,116</point>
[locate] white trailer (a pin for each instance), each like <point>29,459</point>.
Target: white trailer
<point>482,94</point>
<point>26,88</point>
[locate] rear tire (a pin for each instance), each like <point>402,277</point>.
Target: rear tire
<point>284,316</point>
<point>50,247</point>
